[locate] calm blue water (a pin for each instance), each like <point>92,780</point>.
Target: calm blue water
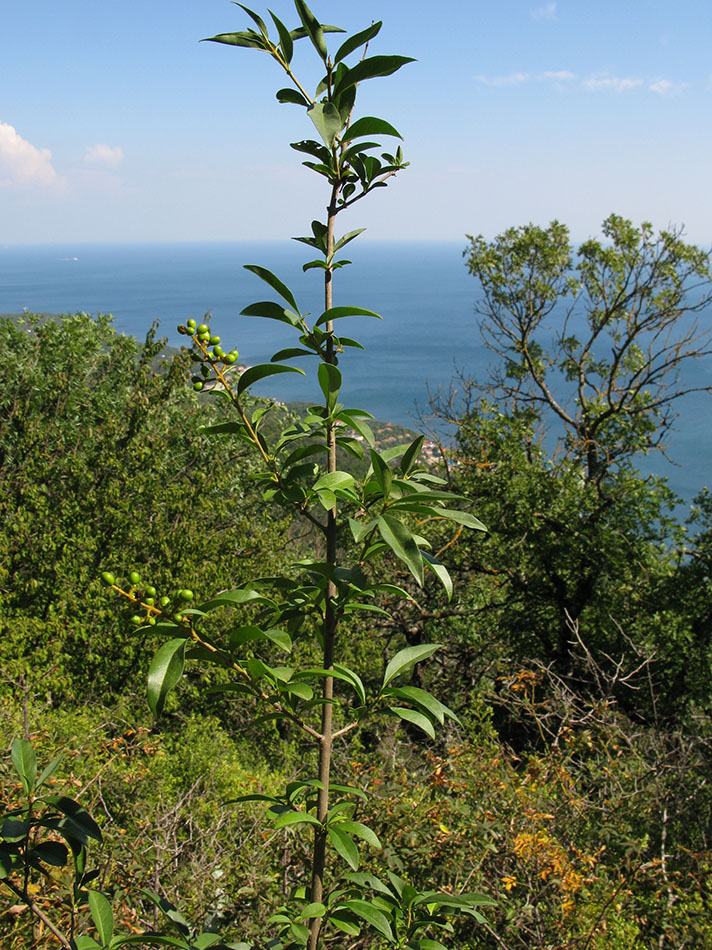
<point>422,290</point>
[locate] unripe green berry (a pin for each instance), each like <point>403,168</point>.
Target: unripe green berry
<point>150,591</point>
<point>136,620</point>
<point>203,328</point>
<point>185,594</point>
<point>231,358</point>
<point>197,386</point>
<point>177,617</point>
<point>164,601</point>
<point>214,340</point>
<point>152,621</point>
<point>190,324</point>
<point>205,370</point>
<point>218,352</point>
<point>134,577</point>
<point>108,578</point>
<point>149,601</point>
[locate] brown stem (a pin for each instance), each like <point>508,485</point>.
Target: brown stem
<point>330,619</point>
<point>38,912</point>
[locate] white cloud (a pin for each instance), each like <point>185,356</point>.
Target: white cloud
<point>666,87</point>
<point>23,163</point>
<point>516,79</point>
<point>612,83</point>
<point>563,75</point>
<point>105,155</point>
<point>513,79</point>
<point>547,12</point>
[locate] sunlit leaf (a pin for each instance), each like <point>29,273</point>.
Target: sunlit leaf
<point>327,121</point>
<point>165,671</point>
<point>400,540</point>
<point>407,658</point>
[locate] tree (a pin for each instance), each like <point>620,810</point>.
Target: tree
<point>594,344</point>
<point>592,347</point>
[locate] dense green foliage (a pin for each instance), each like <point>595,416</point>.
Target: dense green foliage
<point>101,461</point>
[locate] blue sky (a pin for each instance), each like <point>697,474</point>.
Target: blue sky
<point>117,124</point>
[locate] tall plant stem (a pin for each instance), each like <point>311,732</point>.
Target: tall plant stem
<point>329,625</point>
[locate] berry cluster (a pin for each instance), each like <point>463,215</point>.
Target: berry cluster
<point>147,598</point>
<point>210,355</point>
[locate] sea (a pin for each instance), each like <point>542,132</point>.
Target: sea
<point>427,342</point>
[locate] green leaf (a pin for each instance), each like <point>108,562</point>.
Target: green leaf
<point>371,67</point>
<point>289,818</point>
<point>271,311</point>
<point>312,910</point>
<point>165,671</point>
<point>301,690</point>
<point>334,481</point>
<point>411,455</point>
<point>369,125</point>
<point>461,517</point>
<point>49,770</point>
<point>13,829</point>
<point>255,373</point>
<point>285,39</point>
<point>255,19</point>
<point>358,39</point>
<point>346,239</point>
<point>344,921</point>
<point>330,383</point>
<point>343,673</point>
<point>402,543</point>
<point>382,473</point>
<point>313,28</point>
<point>374,917</point>
<point>440,571</point>
<point>344,845</point>
<point>293,96</point>
<point>205,940</point>
<point>335,313</point>
<point>25,762</point>
<point>249,40</point>
<point>51,852</point>
<point>407,658</point>
<point>102,916</point>
<point>280,638</point>
<point>88,943</point>
<point>355,422</point>
<point>232,598</point>
<point>77,822</point>
<point>361,831</point>
<point>289,353</point>
<point>327,121</point>
<point>417,718</point>
<point>274,282</point>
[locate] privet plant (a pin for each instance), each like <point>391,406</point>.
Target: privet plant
<point>355,527</point>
